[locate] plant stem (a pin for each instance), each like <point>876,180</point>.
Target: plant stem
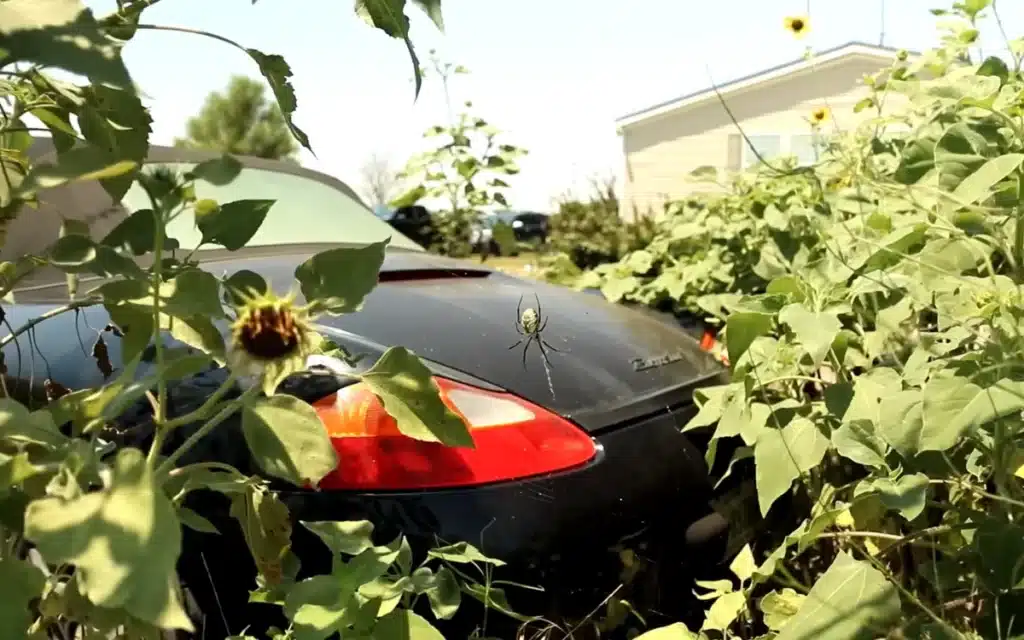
<point>52,313</point>
<point>156,281</point>
<point>200,413</point>
<point>204,430</point>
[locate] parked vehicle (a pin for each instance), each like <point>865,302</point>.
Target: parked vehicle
<point>414,222</point>
<point>566,468</point>
<point>528,226</point>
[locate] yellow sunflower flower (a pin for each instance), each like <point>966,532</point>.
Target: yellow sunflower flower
<point>798,25</point>
<point>820,116</point>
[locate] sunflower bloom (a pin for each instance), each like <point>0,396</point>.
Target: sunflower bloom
<point>798,25</point>
<point>820,116</point>
<point>270,338</point>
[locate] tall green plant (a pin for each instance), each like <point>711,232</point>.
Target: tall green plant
<point>872,307</point>
<point>108,525</point>
<point>463,171</point>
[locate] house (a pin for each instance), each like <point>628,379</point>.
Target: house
<point>664,143</point>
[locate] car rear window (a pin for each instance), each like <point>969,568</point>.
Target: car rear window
<point>305,210</point>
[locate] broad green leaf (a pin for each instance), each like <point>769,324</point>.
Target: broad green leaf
<point>124,541</point>
<point>136,233</point>
<point>743,565</point>
<point>906,494</point>
<point>779,606</point>
<point>741,329</point>
<point>233,224</point>
<point>242,284</point>
<point>462,553</point>
<point>815,331</point>
<point>850,601</point>
<point>73,251</point>
<point>21,427</point>
<point>196,522</point>
<point>62,34</point>
<point>350,537</point>
<point>116,121</point>
<point>278,74</point>
<point>339,279</point>
<point>674,631</point>
<point>977,187</point>
<point>433,9</point>
<point>409,394</point>
<point>932,419</point>
<point>81,163</point>
<point>857,440</point>
<point>218,171</point>
<point>402,624</point>
<point>724,611</point>
<point>389,16</point>
<point>23,582</point>
<point>445,594</point>
<point>288,440</point>
<point>783,455</point>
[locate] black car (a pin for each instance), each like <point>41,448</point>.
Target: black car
<point>528,226</point>
<point>414,222</point>
<point>569,464</point>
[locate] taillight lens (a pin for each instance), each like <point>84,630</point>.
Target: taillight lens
<point>709,342</point>
<point>514,439</point>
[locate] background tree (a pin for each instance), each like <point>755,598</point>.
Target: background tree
<point>241,120</point>
<point>378,179</point>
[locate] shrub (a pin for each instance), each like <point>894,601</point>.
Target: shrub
<point>872,308</point>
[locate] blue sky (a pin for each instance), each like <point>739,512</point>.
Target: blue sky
<point>553,74</point>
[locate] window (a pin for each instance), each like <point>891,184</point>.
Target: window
<point>305,210</point>
<point>807,148</point>
<point>767,146</point>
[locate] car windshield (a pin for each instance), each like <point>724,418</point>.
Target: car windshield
<point>305,210</point>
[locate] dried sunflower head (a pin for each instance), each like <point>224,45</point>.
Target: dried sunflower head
<point>820,116</point>
<point>270,338</point>
<point>798,25</point>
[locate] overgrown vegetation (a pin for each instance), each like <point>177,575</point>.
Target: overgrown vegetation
<point>94,481</point>
<point>872,310</point>
<point>463,171</point>
<point>587,233</point>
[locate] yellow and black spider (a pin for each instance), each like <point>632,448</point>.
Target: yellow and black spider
<point>529,324</point>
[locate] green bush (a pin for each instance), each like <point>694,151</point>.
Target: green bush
<point>873,313</point>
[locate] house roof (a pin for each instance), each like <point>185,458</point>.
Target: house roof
<point>746,82</point>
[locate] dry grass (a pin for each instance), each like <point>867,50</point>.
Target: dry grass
<point>524,265</point>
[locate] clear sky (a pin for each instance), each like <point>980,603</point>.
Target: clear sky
<point>553,74</point>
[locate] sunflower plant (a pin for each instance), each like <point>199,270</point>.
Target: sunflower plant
<point>871,306</point>
<point>93,480</point>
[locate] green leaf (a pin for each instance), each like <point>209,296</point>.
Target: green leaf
<point>389,16</point>
<point>62,34</point>
<point>21,427</point>
<point>462,553</point>
<point>338,279</point>
<point>409,394</point>
<point>977,187</point>
<point>851,600</point>
<point>783,455</point>
<point>135,233</point>
<point>742,328</point>
<point>116,121</point>
<point>350,537</point>
<point>242,284</point>
<point>433,9</point>
<point>82,163</point>
<point>233,225</point>
<point>218,171</point>
<point>278,74</point>
<point>814,331</point>
<point>674,631</point>
<point>779,606</point>
<point>196,522</point>
<point>131,521</point>
<point>906,495</point>
<point>402,624</point>
<point>446,594</point>
<point>23,582</point>
<point>288,440</point>
<point>72,251</point>
<point>932,419</point>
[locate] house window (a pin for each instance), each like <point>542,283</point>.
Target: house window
<point>807,147</point>
<point>767,147</point>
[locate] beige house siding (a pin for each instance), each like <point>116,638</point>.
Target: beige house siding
<point>661,152</point>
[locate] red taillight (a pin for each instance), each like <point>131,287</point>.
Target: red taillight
<point>709,343</point>
<point>514,439</point>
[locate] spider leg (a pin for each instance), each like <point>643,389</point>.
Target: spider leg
<point>543,352</point>
<point>518,342</point>
<point>526,349</point>
<point>543,324</point>
<point>538,304</point>
<point>548,346</point>
<point>519,309</point>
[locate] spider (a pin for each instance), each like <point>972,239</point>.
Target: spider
<point>529,324</point>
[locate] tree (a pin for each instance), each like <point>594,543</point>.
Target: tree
<point>379,180</point>
<point>241,120</point>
